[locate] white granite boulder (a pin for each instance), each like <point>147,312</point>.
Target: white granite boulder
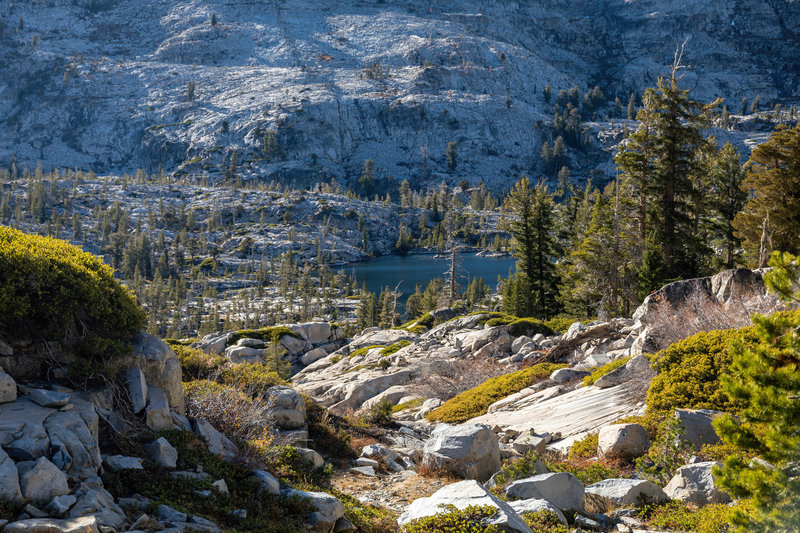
<point>694,483</point>
<point>603,496</point>
<point>624,441</point>
<point>562,489</point>
<point>468,450</point>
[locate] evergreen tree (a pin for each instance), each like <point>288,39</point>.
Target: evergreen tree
<point>452,155</point>
<point>773,181</point>
<point>728,199</point>
<point>367,179</point>
<point>765,380</point>
<point>414,308</point>
<point>532,226</point>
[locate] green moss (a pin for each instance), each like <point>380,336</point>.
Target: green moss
<point>607,368</point>
<point>50,289</point>
<point>475,401</point>
<point>473,519</point>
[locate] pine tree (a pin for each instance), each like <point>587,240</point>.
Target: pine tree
<point>532,227</point>
<point>367,179</point>
<point>765,380</point>
<point>728,199</point>
<point>452,155</point>
<point>773,181</point>
<point>414,308</point>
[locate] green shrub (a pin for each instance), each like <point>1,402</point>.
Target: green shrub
<point>689,372</point>
<point>50,289</point>
<point>252,377</point>
<point>561,323</point>
<point>394,348</point>
<point>607,368</point>
<point>475,401</point>
<point>677,516</point>
<point>379,414</point>
<point>364,350</point>
<point>525,466</point>
<point>195,364</point>
<point>529,327</point>
<point>329,434</point>
<point>367,518</point>
<point>584,448</point>
<point>473,519</point>
<point>544,522</point>
<point>589,472</point>
<point>269,334</point>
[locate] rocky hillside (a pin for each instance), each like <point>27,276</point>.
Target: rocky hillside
<point>302,91</point>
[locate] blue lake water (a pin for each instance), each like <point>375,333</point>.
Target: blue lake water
<point>412,270</point>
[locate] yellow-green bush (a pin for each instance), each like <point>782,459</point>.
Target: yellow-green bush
<point>561,323</point>
<point>394,348</point>
<point>689,371</point>
<point>584,448</point>
<point>544,522</point>
<point>268,334</point>
<point>475,401</point>
<point>529,327</point>
<point>53,290</point>
<point>607,368</point>
<point>473,519</point>
<point>677,516</point>
<point>195,364</point>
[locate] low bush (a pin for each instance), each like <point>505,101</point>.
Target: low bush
<point>475,402</point>
<point>529,327</point>
<point>525,466</point>
<point>584,448</point>
<point>561,323</point>
<point>231,410</point>
<point>329,433</point>
<point>268,334</point>
<point>590,471</point>
<point>607,368</point>
<point>52,290</point>
<point>254,378</point>
<point>195,364</point>
<point>286,463</point>
<point>473,519</point>
<point>689,371</point>
<point>544,522</point>
<point>379,414</point>
<point>394,348</point>
<point>367,518</point>
<point>363,351</point>
<point>677,516</point>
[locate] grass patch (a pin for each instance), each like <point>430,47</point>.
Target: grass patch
<point>607,368</point>
<point>476,401</point>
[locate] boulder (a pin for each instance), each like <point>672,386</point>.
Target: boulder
<point>311,457</point>
<point>694,484</point>
<point>535,506</point>
<point>59,505</point>
<point>288,408</point>
<point>562,489</point>
<point>697,426</point>
<point>244,354</point>
<point>251,343</point>
<point>49,398</point>
<point>268,483</point>
<point>327,509</point>
<point>391,395</point>
<point>356,393</point>
<point>73,446</point>
<point>83,524</point>
<point>519,342</point>
<point>443,314</point>
<point>100,503</point>
<point>633,368</point>
<point>292,345</point>
<point>563,375</point>
<point>171,516</point>
<point>137,389</point>
<point>8,388</point>
<point>43,482</point>
<point>625,441</point>
<point>610,494</point>
<point>163,453</point>
<point>121,462</point>
<point>9,479</point>
<point>217,442</point>
<point>161,367</point>
<point>462,495</point>
<point>317,332</point>
<point>537,468</point>
<point>157,414</point>
<point>313,356</point>
<point>213,343</point>
<point>526,443</point>
<point>469,450</point>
